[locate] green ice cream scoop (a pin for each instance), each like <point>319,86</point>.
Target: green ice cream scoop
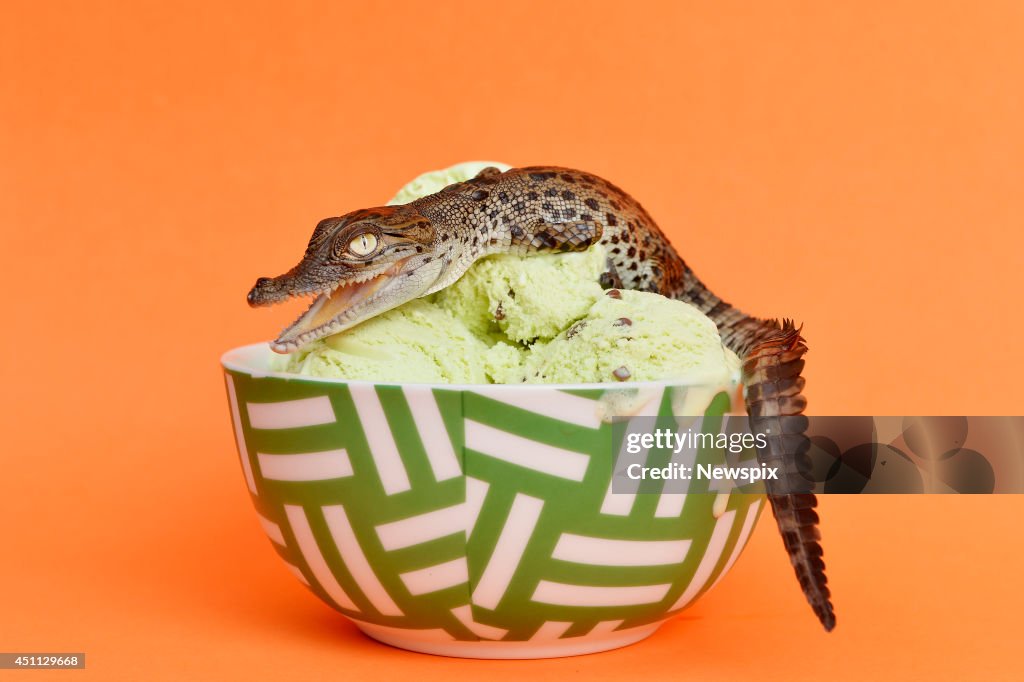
<point>436,180</point>
<point>416,342</point>
<point>634,336</point>
<point>524,299</point>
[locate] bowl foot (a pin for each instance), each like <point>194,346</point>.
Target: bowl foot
<point>440,643</point>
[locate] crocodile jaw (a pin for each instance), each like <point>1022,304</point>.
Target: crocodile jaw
<point>348,304</point>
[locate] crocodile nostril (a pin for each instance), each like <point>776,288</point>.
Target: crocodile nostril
<point>254,296</point>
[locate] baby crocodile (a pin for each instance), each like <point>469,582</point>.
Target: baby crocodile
<point>369,261</point>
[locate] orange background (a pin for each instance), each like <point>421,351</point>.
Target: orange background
<point>858,167</point>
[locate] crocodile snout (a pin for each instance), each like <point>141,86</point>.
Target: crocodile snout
<point>259,294</point>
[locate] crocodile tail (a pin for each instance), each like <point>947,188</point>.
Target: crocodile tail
<point>771,374</point>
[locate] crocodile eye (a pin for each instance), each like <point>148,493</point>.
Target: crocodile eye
<point>363,244</point>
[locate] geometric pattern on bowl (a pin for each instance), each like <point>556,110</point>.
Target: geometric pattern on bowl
<point>479,521</point>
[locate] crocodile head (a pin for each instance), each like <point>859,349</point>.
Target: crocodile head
<point>357,266</point>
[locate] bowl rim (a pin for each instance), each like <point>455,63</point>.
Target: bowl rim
<point>240,358</point>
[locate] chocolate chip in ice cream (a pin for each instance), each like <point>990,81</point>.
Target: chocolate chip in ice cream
<point>575,329</point>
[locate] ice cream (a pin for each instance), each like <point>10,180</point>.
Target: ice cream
<point>537,319</point>
<point>436,180</point>
<point>633,336</point>
<point>525,299</point>
<point>417,342</point>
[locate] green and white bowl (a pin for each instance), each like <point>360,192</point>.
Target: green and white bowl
<point>479,521</point>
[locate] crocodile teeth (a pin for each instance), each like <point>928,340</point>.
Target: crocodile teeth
<point>332,308</point>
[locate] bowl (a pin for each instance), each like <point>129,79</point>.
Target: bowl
<point>480,520</point>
